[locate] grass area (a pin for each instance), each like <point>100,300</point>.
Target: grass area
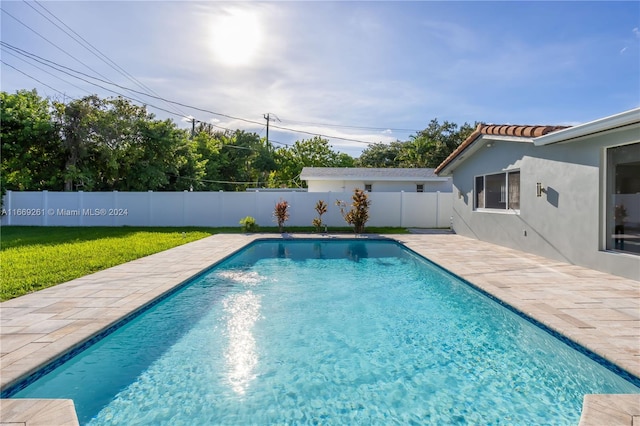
<point>34,258</point>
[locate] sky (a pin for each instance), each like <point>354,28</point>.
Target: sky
<point>353,72</point>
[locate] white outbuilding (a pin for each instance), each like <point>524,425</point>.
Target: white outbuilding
<point>346,179</point>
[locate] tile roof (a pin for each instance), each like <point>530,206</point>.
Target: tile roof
<point>359,173</point>
<point>524,131</point>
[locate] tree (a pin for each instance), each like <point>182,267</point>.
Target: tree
<point>32,154</point>
<point>314,152</point>
<point>112,144</point>
<point>431,146</point>
<point>243,160</point>
<point>207,148</point>
<point>117,125</point>
<point>427,148</point>
<point>76,121</point>
<point>381,155</point>
<point>156,161</point>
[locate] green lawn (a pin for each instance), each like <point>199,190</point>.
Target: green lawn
<point>34,258</point>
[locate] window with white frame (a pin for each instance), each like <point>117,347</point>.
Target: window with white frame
<point>623,198</point>
<point>500,191</point>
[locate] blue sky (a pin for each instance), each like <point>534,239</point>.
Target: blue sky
<point>369,71</point>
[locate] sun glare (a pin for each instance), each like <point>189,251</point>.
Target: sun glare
<point>236,38</point>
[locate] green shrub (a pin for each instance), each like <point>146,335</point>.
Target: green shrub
<point>248,224</point>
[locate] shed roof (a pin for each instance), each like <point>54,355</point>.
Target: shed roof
<point>518,131</point>
<point>368,173</point>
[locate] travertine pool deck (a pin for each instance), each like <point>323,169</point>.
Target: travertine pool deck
<point>599,311</point>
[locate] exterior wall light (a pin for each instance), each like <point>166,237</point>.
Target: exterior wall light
<point>539,189</point>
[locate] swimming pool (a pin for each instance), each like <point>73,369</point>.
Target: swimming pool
<point>330,332</point>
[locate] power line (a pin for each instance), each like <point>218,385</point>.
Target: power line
<point>92,49</point>
<point>90,82</point>
<point>33,78</point>
<point>309,123</point>
<point>223,145</point>
<point>44,71</point>
<point>236,182</point>
<point>62,93</point>
<point>40,59</point>
<point>79,61</point>
<point>49,62</point>
<point>51,43</point>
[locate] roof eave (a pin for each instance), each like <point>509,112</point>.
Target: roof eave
<point>622,119</point>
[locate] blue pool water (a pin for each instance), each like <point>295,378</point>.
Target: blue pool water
<point>327,332</point>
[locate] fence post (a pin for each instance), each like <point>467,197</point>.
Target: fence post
<point>401,207</point>
<point>45,206</point>
<point>150,208</point>
<point>115,206</point>
<point>437,209</point>
<point>81,207</point>
<point>220,206</point>
<point>256,205</point>
<point>185,194</point>
<point>7,199</point>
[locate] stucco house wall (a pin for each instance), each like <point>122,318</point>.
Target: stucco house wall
<point>568,221</point>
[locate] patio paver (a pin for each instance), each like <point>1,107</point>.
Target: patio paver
<point>597,310</point>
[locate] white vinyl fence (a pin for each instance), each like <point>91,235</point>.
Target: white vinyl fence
<point>215,209</point>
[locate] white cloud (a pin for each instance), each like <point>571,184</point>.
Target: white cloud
<point>386,65</point>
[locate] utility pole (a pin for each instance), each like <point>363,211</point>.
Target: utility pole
<point>267,117</point>
<point>193,127</point>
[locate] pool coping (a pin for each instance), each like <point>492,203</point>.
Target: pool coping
<point>39,327</point>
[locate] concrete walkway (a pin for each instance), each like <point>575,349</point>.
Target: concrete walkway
<point>597,310</point>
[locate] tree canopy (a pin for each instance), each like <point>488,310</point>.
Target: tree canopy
<point>428,148</point>
<point>95,144</point>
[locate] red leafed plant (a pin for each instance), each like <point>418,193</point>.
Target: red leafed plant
<point>321,208</point>
<point>281,213</point>
<point>359,213</point>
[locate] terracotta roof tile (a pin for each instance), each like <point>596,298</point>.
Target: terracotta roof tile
<point>524,131</point>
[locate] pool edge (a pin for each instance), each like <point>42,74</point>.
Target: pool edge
<point>610,409</point>
<point>592,411</point>
<point>58,412</point>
